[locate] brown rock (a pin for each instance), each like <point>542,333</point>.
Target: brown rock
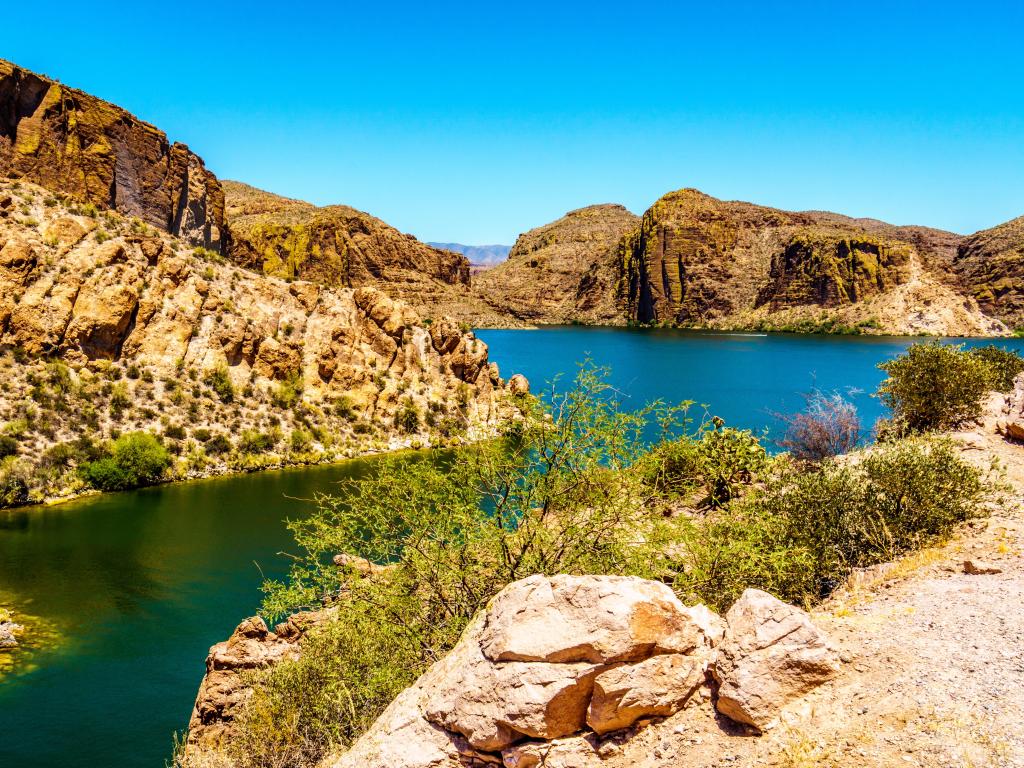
<point>597,619</point>
<point>980,568</point>
<point>656,687</point>
<point>69,141</point>
<point>519,385</point>
<point>770,655</point>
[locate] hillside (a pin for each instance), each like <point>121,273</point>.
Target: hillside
<point>71,142</point>
<point>340,246</point>
<point>109,326</point>
<point>561,272</point>
<point>698,261</point>
<point>990,264</point>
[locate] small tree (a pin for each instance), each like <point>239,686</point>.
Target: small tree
<point>135,459</point>
<point>935,386</point>
<point>1004,365</point>
<point>828,426</point>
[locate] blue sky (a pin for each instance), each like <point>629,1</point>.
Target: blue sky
<point>472,122</point>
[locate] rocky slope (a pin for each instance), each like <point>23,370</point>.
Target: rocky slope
<point>990,264</point>
<point>562,272</point>
<point>108,325</point>
<point>699,261</point>
<point>340,246</point>
<point>76,144</point>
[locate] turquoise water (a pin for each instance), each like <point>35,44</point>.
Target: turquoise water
<point>139,585</point>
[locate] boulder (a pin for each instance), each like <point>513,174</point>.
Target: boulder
<point>657,687</point>
<point>8,634</point>
<point>771,654</point>
<point>596,619</point>
<point>519,385</point>
<point>980,568</point>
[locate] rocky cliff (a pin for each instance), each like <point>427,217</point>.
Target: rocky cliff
<point>699,261</point>
<point>108,325</point>
<point>562,272</point>
<point>338,245</point>
<point>79,145</point>
<point>990,264</point>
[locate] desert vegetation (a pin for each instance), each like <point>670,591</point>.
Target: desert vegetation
<point>580,486</point>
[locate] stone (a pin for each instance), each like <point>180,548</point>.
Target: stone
<point>9,634</point>
<point>596,619</point>
<point>495,705</point>
<point>980,568</point>
<point>656,687</point>
<point>770,655</point>
<point>519,385</point>
<point>360,565</point>
<point>573,752</point>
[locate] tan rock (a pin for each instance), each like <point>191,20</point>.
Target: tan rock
<point>771,654</point>
<point>597,619</point>
<point>656,687</point>
<point>495,705</point>
<point>519,385</point>
<point>573,752</point>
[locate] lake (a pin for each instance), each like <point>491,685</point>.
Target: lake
<point>138,585</point>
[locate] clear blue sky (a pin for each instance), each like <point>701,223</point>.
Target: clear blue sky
<point>474,121</point>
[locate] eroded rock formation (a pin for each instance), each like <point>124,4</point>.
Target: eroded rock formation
<point>557,665</point>
<point>73,143</point>
<point>990,264</point>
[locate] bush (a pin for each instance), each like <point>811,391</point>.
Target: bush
<point>219,380</point>
<point>407,418</point>
<point>803,533</point>
<point>135,459</point>
<point>300,440</point>
<point>8,446</point>
<point>254,441</point>
<point>288,392</point>
<point>1004,366</point>
<point>828,426</point>
<point>935,386</point>
<point>217,444</point>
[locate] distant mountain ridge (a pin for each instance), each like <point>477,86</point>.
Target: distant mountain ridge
<point>478,255</point>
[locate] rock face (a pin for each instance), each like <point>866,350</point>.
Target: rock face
<point>990,264</point>
<point>770,655</point>
<point>339,246</point>
<point>555,665</point>
<point>223,693</point>
<point>109,296</point>
<point>73,143</point>
<point>562,272</point>
<point>696,260</point>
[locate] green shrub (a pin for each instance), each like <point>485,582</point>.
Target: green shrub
<point>1004,366</point>
<point>805,531</point>
<point>219,380</point>
<point>407,418</point>
<point>288,392</point>
<point>300,440</point>
<point>935,386</point>
<point>8,446</point>
<point>136,459</point>
<point>254,441</point>
<point>218,444</point>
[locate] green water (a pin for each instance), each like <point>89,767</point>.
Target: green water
<point>137,586</point>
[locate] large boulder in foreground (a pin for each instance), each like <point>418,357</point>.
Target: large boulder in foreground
<point>771,654</point>
<point>557,666</point>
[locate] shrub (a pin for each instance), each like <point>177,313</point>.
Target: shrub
<point>935,386</point>
<point>407,418</point>
<point>300,440</point>
<point>136,459</point>
<point>828,426</point>
<point>254,441</point>
<point>1004,366</point>
<point>288,392</point>
<point>8,446</point>
<point>218,444</point>
<point>219,380</point>
<point>801,535</point>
